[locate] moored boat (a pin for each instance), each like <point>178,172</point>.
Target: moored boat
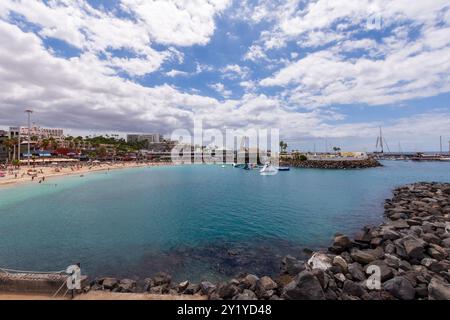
<point>268,170</point>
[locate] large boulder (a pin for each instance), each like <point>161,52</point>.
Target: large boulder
<point>386,272</point>
<point>110,283</point>
<point>400,287</point>
<point>353,289</point>
<point>341,243</point>
<point>414,248</point>
<point>207,287</point>
<point>227,290</point>
<point>320,261</point>
<point>356,271</point>
<point>246,295</point>
<point>161,278</point>
<point>249,281</point>
<point>292,266</point>
<point>438,290</point>
<point>264,285</point>
<point>127,285</point>
<point>304,287</point>
<point>437,252</point>
<point>341,263</point>
<point>366,256</point>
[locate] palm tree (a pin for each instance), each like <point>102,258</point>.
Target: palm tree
<point>336,149</point>
<point>44,144</point>
<point>10,144</point>
<point>283,146</point>
<point>15,142</point>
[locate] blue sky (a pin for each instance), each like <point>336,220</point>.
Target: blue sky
<point>323,72</point>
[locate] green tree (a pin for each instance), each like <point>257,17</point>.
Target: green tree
<point>283,146</point>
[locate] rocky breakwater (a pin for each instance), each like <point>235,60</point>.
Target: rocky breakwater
<point>333,164</point>
<point>406,257</point>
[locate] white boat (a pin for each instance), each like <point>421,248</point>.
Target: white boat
<point>444,159</point>
<point>268,170</point>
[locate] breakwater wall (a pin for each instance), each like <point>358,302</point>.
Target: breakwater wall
<point>333,164</point>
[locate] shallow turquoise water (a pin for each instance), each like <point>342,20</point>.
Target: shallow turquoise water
<point>186,219</point>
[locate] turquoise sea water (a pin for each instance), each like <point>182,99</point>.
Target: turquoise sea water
<point>192,221</point>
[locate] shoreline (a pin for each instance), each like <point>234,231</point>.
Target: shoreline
<point>73,170</point>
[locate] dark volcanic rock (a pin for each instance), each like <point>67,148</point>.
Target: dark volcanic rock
<point>109,283</point>
<point>366,256</point>
<point>292,266</point>
<point>161,278</point>
<point>438,290</point>
<point>353,289</point>
<point>414,248</point>
<point>227,290</point>
<point>263,285</point>
<point>356,271</point>
<point>304,287</point>
<point>400,287</point>
<point>207,287</point>
<point>127,285</point>
<point>334,164</point>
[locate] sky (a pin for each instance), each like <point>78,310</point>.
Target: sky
<point>324,72</point>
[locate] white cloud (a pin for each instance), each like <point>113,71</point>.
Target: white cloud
<point>346,69</point>
<point>87,91</point>
<point>220,88</point>
<point>182,23</point>
<point>234,71</point>
<point>174,73</point>
<point>255,53</point>
<point>94,30</point>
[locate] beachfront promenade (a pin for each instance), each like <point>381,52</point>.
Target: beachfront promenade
<point>40,173</point>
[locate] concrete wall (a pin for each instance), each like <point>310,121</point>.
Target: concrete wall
<point>35,283</point>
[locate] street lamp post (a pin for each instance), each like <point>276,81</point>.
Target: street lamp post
<point>29,112</point>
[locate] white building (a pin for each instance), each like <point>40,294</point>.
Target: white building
<point>43,133</point>
<point>147,138</point>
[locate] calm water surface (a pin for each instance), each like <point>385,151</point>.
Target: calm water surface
<point>192,221</point>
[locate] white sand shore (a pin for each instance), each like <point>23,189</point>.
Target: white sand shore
<point>41,173</point>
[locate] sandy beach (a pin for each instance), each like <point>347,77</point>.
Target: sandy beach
<point>40,173</point>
